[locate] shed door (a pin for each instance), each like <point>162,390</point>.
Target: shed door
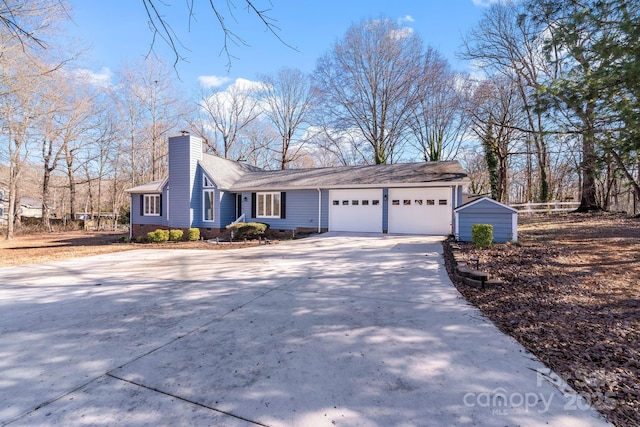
<point>420,211</point>
<point>355,210</point>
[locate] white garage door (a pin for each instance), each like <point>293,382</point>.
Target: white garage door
<point>355,210</point>
<point>420,211</point>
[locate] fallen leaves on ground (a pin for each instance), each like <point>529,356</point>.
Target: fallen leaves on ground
<point>571,295</point>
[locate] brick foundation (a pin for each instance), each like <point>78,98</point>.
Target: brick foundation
<point>141,230</point>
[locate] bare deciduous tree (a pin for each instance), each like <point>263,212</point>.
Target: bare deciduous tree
<point>496,115</point>
<point>226,116</point>
<point>287,98</point>
<point>161,27</point>
<point>370,81</point>
<point>28,22</point>
<point>439,119</point>
<point>150,109</point>
<point>505,42</point>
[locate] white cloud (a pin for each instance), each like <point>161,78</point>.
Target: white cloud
<point>245,85</point>
<point>406,18</point>
<point>212,81</point>
<point>100,78</point>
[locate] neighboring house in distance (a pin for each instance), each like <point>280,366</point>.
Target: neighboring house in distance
<point>29,207</point>
<point>208,192</point>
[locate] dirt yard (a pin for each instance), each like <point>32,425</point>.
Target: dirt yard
<point>571,295</point>
<point>43,247</point>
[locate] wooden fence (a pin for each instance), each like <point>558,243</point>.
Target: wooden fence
<point>546,207</point>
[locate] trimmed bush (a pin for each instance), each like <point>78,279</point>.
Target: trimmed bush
<point>175,235</point>
<point>193,234</point>
<point>247,230</point>
<point>158,236</point>
<point>482,235</point>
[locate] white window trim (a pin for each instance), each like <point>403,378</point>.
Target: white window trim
<point>156,210</point>
<point>204,206</point>
<point>206,184</point>
<point>273,198</point>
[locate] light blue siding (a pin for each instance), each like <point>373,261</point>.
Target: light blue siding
<point>301,210</point>
<point>136,210</point>
<point>185,199</point>
<point>486,212</point>
<point>227,208</point>
<point>224,209</point>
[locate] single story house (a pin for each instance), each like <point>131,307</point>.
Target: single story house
<point>484,210</point>
<point>30,207</point>
<point>207,192</point>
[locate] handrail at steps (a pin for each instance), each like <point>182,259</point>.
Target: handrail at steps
<point>241,218</point>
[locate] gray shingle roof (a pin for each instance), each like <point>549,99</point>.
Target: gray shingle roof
<point>236,176</point>
<point>149,187</point>
<point>350,176</point>
<point>225,172</point>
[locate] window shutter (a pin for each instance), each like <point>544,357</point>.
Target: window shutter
<point>283,205</point>
<point>253,205</point>
<point>142,205</point>
<point>160,200</point>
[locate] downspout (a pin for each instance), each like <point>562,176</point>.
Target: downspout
<point>455,196</point>
<point>130,217</point>
<point>455,214</point>
<point>319,211</point>
<point>456,234</point>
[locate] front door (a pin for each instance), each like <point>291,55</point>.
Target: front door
<point>238,205</point>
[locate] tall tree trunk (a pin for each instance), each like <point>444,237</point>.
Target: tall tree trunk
<point>72,182</point>
<point>588,200</point>
<point>46,178</point>
<point>12,202</point>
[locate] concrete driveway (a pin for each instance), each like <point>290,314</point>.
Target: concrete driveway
<point>348,330</point>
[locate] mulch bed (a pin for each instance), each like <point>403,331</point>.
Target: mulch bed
<point>571,295</point>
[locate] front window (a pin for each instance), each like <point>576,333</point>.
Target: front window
<point>152,204</point>
<point>208,198</point>
<point>268,205</point>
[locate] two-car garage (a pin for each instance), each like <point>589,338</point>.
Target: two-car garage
<point>409,210</point>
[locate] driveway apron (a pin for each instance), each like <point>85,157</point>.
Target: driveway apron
<point>338,329</point>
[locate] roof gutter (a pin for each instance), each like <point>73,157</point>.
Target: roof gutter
<point>270,187</point>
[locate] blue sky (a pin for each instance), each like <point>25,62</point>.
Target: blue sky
<point>117,32</point>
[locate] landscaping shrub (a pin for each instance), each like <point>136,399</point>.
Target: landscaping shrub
<point>482,235</point>
<point>247,230</point>
<point>193,234</point>
<point>175,235</point>
<point>158,236</point>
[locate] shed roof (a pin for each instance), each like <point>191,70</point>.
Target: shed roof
<point>484,199</point>
<point>344,176</point>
